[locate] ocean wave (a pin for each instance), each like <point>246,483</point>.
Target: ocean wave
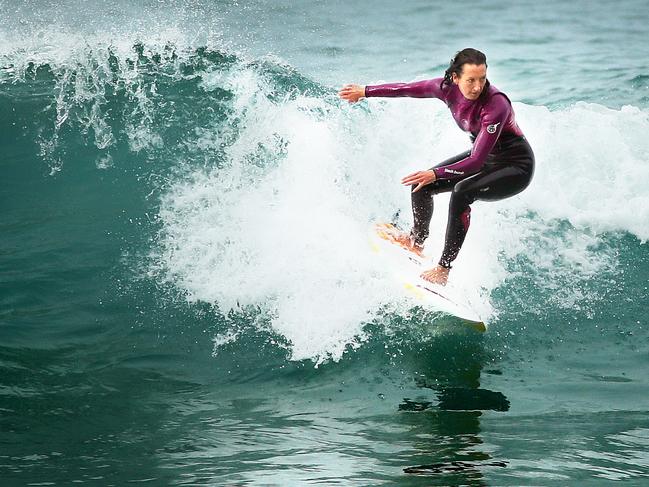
<point>270,184</point>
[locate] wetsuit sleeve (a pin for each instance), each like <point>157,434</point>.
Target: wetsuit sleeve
<point>494,116</point>
<point>429,88</point>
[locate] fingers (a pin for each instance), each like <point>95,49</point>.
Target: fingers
<point>419,186</point>
<point>425,177</point>
<point>347,90</point>
<point>412,178</point>
<point>348,93</point>
<point>419,179</point>
<point>352,92</point>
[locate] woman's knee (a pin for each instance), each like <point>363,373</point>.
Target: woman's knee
<point>461,197</point>
<point>424,195</point>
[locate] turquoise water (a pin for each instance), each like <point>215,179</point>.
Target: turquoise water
<point>186,293</point>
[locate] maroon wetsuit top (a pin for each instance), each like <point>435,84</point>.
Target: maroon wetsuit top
<point>485,118</point>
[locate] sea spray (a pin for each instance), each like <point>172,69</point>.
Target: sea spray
<point>268,185</point>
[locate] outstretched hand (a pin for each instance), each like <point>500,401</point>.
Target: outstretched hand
<point>352,93</point>
<point>420,178</point>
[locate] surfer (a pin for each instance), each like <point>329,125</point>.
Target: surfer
<point>499,165</point>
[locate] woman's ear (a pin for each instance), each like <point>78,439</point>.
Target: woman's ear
<point>455,78</point>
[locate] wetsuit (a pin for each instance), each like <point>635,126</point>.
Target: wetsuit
<point>500,163</point>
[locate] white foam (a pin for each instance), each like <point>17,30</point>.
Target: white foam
<point>287,237</point>
<point>593,166</point>
<point>283,224</point>
<point>290,234</point>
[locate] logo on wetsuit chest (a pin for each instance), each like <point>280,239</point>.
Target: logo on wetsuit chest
<point>492,128</point>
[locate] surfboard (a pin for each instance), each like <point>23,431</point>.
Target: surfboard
<point>406,266</point>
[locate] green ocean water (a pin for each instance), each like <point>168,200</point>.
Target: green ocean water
<point>186,293</point>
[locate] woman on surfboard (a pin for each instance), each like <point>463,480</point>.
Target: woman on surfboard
<point>499,165</point>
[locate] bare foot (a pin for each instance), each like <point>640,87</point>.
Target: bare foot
<point>436,275</point>
<point>393,234</point>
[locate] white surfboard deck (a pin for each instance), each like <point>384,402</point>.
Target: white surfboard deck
<point>407,267</point>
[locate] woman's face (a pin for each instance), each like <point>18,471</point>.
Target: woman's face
<point>472,80</point>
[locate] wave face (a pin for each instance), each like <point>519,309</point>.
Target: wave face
<point>262,185</point>
<point>185,260</point>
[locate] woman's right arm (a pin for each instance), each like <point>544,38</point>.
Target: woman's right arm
<point>429,88</point>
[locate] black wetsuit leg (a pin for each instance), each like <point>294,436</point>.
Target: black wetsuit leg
<point>422,201</point>
<point>507,171</point>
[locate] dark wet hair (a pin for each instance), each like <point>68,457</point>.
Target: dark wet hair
<point>465,56</point>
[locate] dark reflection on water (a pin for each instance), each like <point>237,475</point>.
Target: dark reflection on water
<point>459,399</point>
<point>477,399</point>
<point>451,468</point>
<point>420,420</point>
<point>446,422</point>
